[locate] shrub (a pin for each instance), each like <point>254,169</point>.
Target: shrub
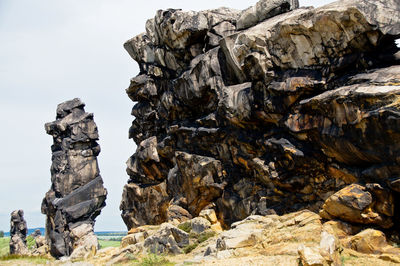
<point>187,249</point>
<point>187,227</point>
<point>205,235</point>
<point>1,233</point>
<point>30,242</point>
<point>154,260</point>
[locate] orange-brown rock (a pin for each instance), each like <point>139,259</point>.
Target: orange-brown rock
<point>371,241</point>
<point>356,204</point>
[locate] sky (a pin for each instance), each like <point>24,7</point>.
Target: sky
<point>53,51</point>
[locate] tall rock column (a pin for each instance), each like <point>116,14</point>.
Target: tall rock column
<point>18,231</point>
<point>77,194</point>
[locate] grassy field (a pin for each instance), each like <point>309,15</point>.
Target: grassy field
<point>108,243</point>
<point>4,246</point>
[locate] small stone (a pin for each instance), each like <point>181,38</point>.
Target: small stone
<point>310,256</point>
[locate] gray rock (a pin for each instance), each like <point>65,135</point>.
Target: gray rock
<point>199,225</point>
<point>169,239</point>
<point>18,232</point>
<point>263,10</point>
<point>77,194</point>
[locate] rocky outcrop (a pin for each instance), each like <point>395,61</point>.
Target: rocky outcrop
<point>77,194</point>
<point>18,232</point>
<point>266,111</point>
<point>292,239</point>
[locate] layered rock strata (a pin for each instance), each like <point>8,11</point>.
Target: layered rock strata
<point>18,232</point>
<point>267,110</point>
<point>77,194</point>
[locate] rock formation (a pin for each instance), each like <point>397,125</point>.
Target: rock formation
<point>36,233</point>
<point>267,110</point>
<point>299,238</point>
<point>18,232</point>
<point>77,194</point>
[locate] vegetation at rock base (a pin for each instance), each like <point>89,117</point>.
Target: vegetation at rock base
<point>345,259</point>
<point>197,239</point>
<point>30,242</point>
<point>154,260</point>
<point>187,227</point>
<point>190,248</point>
<point>205,236</point>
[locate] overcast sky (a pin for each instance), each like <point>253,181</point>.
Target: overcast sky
<point>53,51</point>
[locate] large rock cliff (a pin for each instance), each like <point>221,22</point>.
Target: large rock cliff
<point>272,109</point>
<point>77,194</point>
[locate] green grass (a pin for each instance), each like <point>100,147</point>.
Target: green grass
<point>197,239</point>
<point>109,243</point>
<point>25,258</point>
<point>30,242</point>
<point>187,227</point>
<point>205,235</point>
<point>189,248</point>
<point>4,246</point>
<point>345,259</point>
<point>154,260</point>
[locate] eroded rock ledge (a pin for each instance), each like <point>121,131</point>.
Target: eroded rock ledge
<point>255,113</point>
<point>77,194</point>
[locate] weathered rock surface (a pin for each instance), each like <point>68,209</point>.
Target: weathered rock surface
<point>356,204</point>
<point>18,232</point>
<point>267,111</point>
<point>259,240</point>
<point>77,194</point>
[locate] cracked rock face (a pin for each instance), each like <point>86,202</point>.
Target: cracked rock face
<point>18,232</point>
<point>77,194</point>
<point>268,110</point>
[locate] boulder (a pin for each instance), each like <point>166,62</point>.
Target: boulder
<point>199,225</point>
<point>168,239</point>
<point>132,239</point>
<point>18,232</point>
<point>77,194</point>
<point>356,204</point>
<point>369,241</point>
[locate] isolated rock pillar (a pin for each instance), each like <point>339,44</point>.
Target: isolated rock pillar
<point>77,194</point>
<point>18,231</point>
